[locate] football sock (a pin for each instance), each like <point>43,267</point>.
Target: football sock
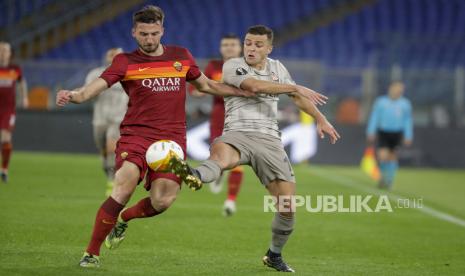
<point>281,228</point>
<point>392,167</point>
<point>142,209</point>
<point>209,171</point>
<point>7,147</point>
<point>105,220</point>
<point>234,183</point>
<point>383,167</point>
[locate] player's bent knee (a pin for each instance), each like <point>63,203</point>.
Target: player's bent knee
<point>163,202</point>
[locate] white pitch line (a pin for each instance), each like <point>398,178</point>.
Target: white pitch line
<point>344,181</point>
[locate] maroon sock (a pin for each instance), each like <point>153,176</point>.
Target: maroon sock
<point>6,154</point>
<point>234,184</point>
<point>105,220</point>
<point>143,209</point>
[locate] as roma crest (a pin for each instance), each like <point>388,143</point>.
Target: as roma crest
<point>178,66</point>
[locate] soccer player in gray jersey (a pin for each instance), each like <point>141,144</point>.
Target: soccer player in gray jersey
<point>251,135</point>
<point>109,110</point>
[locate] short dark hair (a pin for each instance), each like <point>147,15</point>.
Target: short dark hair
<point>148,14</point>
<point>231,36</point>
<point>261,30</point>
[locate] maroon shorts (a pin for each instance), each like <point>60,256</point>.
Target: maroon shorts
<point>132,149</point>
<point>7,120</point>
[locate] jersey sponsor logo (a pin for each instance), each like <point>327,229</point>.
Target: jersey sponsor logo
<point>178,66</point>
<point>143,69</point>
<point>163,84</point>
<point>241,71</point>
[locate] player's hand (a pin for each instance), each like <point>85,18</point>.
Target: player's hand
<point>323,126</point>
<point>315,97</point>
<point>63,97</point>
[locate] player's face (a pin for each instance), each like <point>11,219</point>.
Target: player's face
<point>256,48</point>
<point>148,36</point>
<point>396,90</point>
<point>111,54</point>
<point>230,48</point>
<point>5,53</point>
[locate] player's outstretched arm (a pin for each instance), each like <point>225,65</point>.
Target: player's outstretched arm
<point>323,126</point>
<point>269,87</point>
<point>82,94</point>
<point>206,85</point>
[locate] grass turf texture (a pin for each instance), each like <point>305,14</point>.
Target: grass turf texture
<point>48,208</point>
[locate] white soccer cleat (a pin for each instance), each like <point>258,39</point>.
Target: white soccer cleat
<point>229,208</point>
<point>217,186</point>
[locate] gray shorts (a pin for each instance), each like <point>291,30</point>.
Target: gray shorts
<point>263,152</point>
<point>105,132</point>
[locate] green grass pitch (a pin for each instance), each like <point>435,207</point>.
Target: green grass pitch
<point>48,207</point>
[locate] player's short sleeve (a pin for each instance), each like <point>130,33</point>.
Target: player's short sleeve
<point>116,71</point>
<point>194,72</point>
<point>284,74</point>
<point>235,72</point>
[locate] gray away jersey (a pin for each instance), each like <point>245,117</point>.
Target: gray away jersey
<point>111,105</point>
<point>258,114</point>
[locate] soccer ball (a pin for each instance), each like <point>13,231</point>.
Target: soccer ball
<point>158,155</point>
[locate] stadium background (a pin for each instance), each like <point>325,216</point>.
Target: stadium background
<point>347,49</point>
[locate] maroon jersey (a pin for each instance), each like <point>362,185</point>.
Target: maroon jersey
<point>9,76</point>
<point>156,87</point>
<point>214,71</point>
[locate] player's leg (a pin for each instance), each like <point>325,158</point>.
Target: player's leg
<point>112,136</point>
<point>7,123</point>
<point>7,148</point>
<point>392,165</point>
<point>282,224</point>
<point>234,185</point>
<point>163,188</point>
<point>126,180</point>
<point>271,165</point>
<point>383,160</point>
<point>222,157</point>
<point>216,130</point>
<point>99,132</point>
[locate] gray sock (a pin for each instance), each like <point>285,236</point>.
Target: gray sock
<point>209,171</point>
<point>281,229</point>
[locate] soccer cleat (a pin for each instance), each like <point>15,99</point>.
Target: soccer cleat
<point>181,169</point>
<point>116,236</point>
<point>229,208</point>
<point>89,260</point>
<point>276,262</point>
<point>217,185</point>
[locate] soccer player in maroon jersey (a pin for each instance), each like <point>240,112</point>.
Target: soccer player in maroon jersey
<point>230,47</point>
<point>154,77</point>
<point>10,76</point>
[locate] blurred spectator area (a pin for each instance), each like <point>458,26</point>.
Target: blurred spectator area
<point>348,49</point>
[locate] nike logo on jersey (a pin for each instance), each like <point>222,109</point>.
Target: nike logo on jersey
<point>143,69</point>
